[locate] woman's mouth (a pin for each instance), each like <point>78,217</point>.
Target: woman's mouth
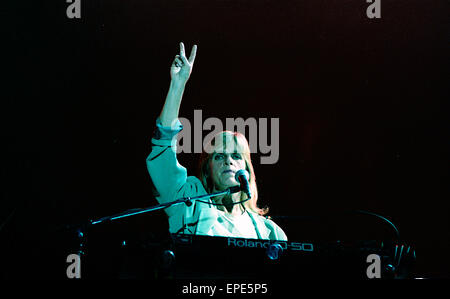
<point>228,171</point>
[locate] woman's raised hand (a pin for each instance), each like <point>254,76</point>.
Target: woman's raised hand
<point>181,66</point>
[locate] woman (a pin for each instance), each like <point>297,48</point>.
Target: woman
<point>226,215</point>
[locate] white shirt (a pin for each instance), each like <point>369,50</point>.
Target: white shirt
<point>240,226</point>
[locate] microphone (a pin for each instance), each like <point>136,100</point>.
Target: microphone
<point>242,176</point>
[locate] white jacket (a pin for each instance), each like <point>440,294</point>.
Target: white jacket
<point>171,182</point>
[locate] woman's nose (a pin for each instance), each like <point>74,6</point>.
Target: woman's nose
<point>228,160</point>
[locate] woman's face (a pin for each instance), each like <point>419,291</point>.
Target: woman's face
<point>223,166</point>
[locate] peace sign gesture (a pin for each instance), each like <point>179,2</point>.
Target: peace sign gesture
<point>181,66</point>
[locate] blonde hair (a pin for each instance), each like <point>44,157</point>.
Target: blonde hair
<point>219,141</point>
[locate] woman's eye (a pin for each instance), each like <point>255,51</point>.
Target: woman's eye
<point>218,157</point>
<point>236,156</point>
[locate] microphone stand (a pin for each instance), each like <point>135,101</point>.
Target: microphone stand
<point>186,200</point>
<point>131,212</point>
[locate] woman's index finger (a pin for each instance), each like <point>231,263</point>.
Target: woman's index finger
<point>182,51</point>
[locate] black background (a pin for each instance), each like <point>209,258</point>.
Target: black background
<point>360,104</point>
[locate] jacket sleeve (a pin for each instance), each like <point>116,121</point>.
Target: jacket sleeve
<point>167,175</point>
